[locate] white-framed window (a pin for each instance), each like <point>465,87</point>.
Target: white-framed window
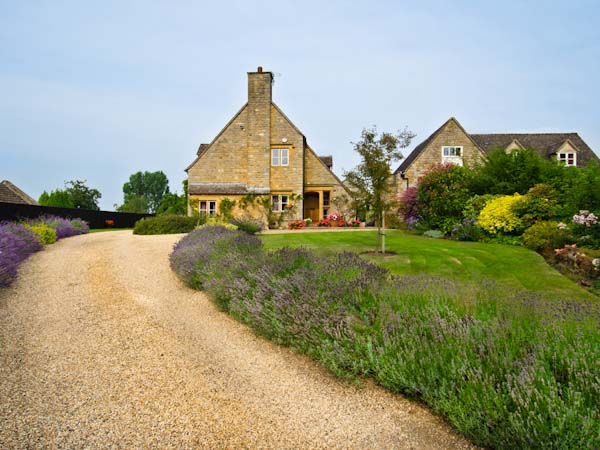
<point>452,154</point>
<point>207,207</point>
<point>326,201</point>
<point>280,156</point>
<point>569,159</point>
<point>279,203</point>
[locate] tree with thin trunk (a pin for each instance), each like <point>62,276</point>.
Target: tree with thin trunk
<point>370,181</point>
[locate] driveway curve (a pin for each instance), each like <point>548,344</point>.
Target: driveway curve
<point>101,346</point>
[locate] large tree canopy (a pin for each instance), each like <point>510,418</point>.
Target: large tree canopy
<point>152,186</point>
<point>370,181</point>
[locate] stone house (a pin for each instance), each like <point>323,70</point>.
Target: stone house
<point>9,193</point>
<point>452,144</point>
<point>260,153</point>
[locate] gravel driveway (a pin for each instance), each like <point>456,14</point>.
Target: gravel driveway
<point>102,347</point>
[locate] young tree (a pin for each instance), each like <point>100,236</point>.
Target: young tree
<point>150,185</point>
<point>370,181</point>
<point>134,204</point>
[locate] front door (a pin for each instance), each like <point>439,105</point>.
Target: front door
<point>311,206</point>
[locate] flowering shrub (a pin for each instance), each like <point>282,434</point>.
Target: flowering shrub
<point>498,216</point>
<point>525,364</point>
<point>324,223</point>
<point>441,196</point>
<point>17,243</point>
<point>577,262</point>
<point>466,230</point>
<point>585,218</point>
<point>355,223</point>
<point>586,228</point>
<point>333,216</point>
<point>63,227</point>
<point>409,207</point>
<point>296,224</point>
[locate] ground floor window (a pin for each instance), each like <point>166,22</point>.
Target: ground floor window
<point>279,203</point>
<point>326,201</point>
<point>570,159</point>
<point>207,207</point>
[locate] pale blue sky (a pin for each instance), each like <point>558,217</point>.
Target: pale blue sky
<point>99,90</point>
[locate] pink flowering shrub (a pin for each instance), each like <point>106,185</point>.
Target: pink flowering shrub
<point>587,229</point>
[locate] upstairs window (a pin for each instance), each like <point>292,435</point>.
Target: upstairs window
<point>452,154</point>
<point>280,156</point>
<point>569,159</point>
<point>279,203</point>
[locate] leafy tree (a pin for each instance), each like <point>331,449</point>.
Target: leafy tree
<point>370,181</point>
<point>506,173</point>
<point>172,203</point>
<point>58,198</point>
<point>134,204</point>
<point>150,185</point>
<point>82,196</point>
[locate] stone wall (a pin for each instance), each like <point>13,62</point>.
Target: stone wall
<point>451,134</point>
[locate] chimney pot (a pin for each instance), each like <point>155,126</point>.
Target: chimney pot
<point>259,69</point>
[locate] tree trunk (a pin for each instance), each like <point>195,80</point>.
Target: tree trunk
<point>383,234</point>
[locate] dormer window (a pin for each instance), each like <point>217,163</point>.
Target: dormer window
<point>453,155</point>
<point>569,159</point>
<point>280,156</point>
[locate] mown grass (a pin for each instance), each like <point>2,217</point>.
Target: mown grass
<point>467,261</point>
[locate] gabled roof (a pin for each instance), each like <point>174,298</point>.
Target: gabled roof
<point>327,160</point>
<point>204,147</point>
<point>546,144</point>
<point>9,193</point>
<point>406,162</point>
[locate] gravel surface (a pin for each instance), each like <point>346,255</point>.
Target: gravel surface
<point>102,347</point>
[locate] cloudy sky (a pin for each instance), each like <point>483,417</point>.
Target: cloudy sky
<point>99,90</point>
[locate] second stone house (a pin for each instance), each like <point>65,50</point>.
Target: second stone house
<point>452,144</point>
<point>261,154</point>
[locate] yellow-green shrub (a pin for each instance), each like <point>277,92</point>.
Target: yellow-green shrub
<point>497,216</point>
<point>44,233</point>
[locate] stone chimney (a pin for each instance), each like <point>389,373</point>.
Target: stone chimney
<point>259,129</point>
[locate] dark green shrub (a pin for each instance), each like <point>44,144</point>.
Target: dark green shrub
<point>166,224</point>
<point>540,203</point>
<point>546,236</point>
<point>467,230</point>
<point>247,224</point>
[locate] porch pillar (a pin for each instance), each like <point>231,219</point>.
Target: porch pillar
<point>320,205</point>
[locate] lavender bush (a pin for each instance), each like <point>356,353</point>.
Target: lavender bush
<point>64,227</point>
<point>17,243</point>
<point>508,369</point>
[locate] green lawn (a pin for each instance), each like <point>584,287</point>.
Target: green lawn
<point>468,261</point>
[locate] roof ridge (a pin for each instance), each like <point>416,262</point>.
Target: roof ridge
<point>522,134</point>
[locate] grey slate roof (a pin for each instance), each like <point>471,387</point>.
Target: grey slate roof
<point>546,144</point>
<point>327,160</point>
<point>9,193</point>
